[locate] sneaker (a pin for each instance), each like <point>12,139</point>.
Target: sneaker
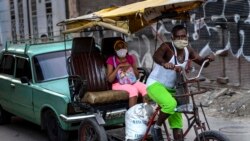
<point>156,134</point>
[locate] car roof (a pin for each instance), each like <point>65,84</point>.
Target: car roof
<point>35,49</point>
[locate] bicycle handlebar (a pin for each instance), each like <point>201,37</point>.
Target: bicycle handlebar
<point>199,73</point>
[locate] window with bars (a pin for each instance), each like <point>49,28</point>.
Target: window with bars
<point>34,19</point>
<point>13,21</point>
<point>49,15</point>
<point>21,19</point>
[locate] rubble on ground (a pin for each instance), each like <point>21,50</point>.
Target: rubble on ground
<point>225,101</point>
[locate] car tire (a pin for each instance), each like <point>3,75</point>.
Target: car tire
<point>53,128</point>
<point>5,117</point>
<point>90,130</point>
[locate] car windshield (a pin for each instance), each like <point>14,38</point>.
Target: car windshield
<point>51,65</point>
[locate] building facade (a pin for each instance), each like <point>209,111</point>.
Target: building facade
<point>24,19</point>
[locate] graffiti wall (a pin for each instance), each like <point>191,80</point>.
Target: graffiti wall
<point>219,25</point>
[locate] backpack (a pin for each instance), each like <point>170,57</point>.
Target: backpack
<point>127,77</point>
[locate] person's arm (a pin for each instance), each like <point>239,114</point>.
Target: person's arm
<point>158,57</point>
<point>134,65</point>
<point>159,54</point>
<point>111,73</point>
<point>111,70</point>
<point>194,56</point>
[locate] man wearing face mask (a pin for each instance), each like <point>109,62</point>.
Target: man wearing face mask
<point>170,57</point>
<point>122,73</point>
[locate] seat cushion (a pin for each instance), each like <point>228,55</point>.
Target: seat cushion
<point>103,97</point>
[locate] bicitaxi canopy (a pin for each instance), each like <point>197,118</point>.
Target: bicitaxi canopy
<point>131,18</point>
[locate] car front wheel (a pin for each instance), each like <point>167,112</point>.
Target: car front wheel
<point>53,128</point>
<point>5,117</point>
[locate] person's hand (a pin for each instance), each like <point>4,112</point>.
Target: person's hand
<point>124,66</point>
<point>210,57</point>
<point>168,65</point>
<point>178,68</point>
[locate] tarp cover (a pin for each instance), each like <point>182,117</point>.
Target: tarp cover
<point>130,18</point>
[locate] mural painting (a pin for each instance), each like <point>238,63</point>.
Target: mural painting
<point>221,25</point>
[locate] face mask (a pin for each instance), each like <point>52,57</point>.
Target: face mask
<point>180,44</point>
<point>121,52</point>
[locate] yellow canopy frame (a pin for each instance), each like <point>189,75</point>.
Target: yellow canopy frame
<point>131,18</point>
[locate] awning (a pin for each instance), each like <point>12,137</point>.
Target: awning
<point>130,18</point>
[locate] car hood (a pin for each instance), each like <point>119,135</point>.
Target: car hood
<point>60,86</point>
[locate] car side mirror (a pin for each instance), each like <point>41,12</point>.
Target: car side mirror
<point>25,79</point>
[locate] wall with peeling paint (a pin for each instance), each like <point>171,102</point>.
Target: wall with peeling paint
<point>219,25</point>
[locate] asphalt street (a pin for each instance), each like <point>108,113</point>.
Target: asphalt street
<point>21,130</point>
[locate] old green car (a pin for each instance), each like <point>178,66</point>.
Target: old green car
<point>59,85</point>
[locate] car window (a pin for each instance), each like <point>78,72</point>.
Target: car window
<point>23,68</point>
<point>51,65</point>
<point>7,65</point>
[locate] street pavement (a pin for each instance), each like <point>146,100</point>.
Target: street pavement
<point>21,130</point>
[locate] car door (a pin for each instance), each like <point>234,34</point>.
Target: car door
<point>22,95</point>
<point>6,76</point>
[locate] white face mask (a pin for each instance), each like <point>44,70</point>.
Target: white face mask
<point>122,52</point>
<point>180,44</point>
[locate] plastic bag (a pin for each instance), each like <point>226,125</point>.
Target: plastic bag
<point>136,119</point>
<point>125,77</point>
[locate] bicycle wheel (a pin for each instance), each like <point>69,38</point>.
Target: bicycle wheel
<point>211,136</point>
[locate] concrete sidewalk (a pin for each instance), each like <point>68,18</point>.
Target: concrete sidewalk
<point>237,129</point>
